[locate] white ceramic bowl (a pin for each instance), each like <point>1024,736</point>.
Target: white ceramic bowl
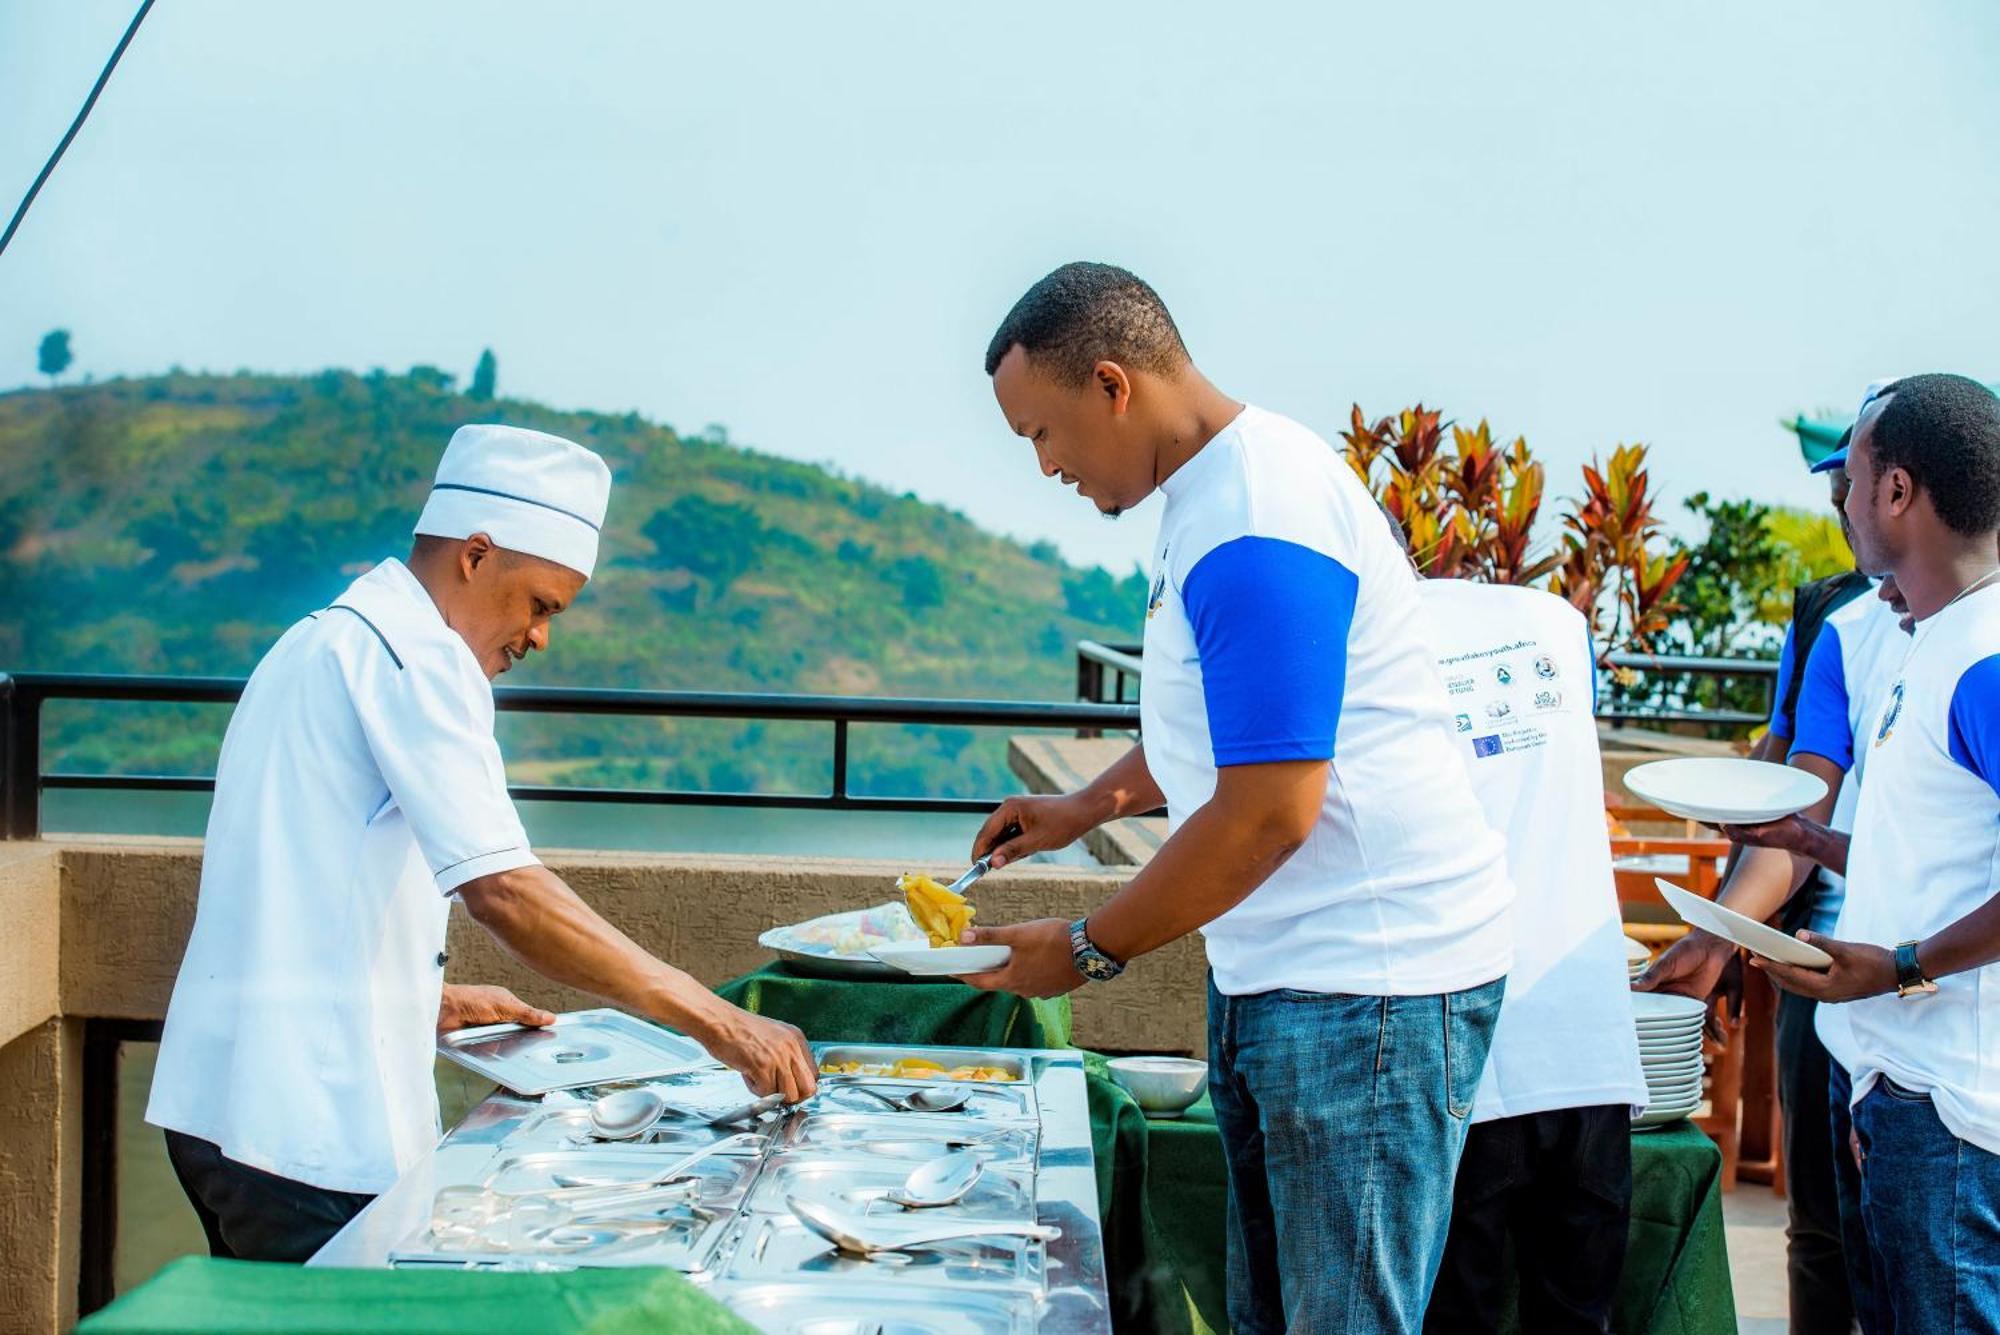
<point>1163,1086</point>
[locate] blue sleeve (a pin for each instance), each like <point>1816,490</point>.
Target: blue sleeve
<point>1590,647</point>
<point>1823,727</point>
<point>1975,720</point>
<point>1270,623</point>
<point>1781,722</point>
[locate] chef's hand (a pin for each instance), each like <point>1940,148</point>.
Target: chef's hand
<point>1859,970</point>
<point>770,1055</point>
<point>465,1005</point>
<point>1041,965</point>
<point>1025,825</point>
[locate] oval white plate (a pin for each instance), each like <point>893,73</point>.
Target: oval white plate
<point>943,961</point>
<point>1752,935</point>
<point>1724,790</point>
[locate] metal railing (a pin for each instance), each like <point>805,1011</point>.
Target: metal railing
<point>23,780</point>
<point>1103,672</point>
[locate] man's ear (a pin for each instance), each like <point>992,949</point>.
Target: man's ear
<point>1900,489</point>
<point>478,550</point>
<point>1116,386</point>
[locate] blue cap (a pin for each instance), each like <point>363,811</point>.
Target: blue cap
<point>1838,459</point>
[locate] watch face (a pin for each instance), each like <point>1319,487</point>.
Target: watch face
<point>1097,967</point>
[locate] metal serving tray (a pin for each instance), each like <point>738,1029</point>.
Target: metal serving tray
<point>908,1137</point>
<point>1005,1059</point>
<point>841,1309</point>
<point>723,1179</point>
<point>569,1128</point>
<point>678,1237</point>
<point>580,1048</point>
<point>858,1186</point>
<point>770,1247</point>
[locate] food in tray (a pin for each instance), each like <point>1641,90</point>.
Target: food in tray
<point>943,914</point>
<point>918,1068</point>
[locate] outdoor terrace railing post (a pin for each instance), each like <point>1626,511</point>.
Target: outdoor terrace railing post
<point>20,759</point>
<point>840,757</point>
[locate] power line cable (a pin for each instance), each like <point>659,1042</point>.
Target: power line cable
<point>75,125</point>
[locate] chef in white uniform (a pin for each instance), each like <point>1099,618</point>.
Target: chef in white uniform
<point>358,791</point>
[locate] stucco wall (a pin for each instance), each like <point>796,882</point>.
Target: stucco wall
<point>40,1210</point>
<point>127,907</point>
<point>30,889</point>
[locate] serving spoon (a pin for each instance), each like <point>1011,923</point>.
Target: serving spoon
<point>944,1180</point>
<point>927,1099</point>
<point>847,1234</point>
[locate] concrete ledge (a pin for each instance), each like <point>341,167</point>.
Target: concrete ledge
<point>30,946</point>
<point>127,906</point>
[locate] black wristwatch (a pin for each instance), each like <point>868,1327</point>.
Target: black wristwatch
<point>1910,980</point>
<point>1091,962</point>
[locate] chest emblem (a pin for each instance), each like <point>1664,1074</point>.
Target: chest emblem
<point>1159,594</point>
<point>1890,713</point>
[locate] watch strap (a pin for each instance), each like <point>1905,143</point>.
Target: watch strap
<point>1910,980</point>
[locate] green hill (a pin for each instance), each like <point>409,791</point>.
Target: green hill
<point>176,524</point>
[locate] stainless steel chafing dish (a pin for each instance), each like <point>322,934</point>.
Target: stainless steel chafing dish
<point>731,1231</point>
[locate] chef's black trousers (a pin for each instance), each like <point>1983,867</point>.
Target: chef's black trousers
<point>1555,1186</point>
<point>252,1215</point>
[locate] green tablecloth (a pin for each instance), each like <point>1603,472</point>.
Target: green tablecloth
<point>1676,1279</point>
<point>198,1296</point>
<point>948,1013</point>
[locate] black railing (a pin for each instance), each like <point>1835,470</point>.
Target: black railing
<point>1104,672</point>
<point>23,780</point>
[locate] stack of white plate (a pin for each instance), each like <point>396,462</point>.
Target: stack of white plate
<point>1670,1050</point>
<point>1637,957</point>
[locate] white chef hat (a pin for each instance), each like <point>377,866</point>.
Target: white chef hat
<point>526,490</point>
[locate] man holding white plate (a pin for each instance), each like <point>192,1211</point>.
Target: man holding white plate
<point>1853,652</point>
<point>1325,837</point>
<point>1919,931</point>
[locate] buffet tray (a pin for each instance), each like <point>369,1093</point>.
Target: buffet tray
<point>858,1186</point>
<point>772,1247</point>
<point>1009,1060</point>
<point>907,1138</point>
<point>581,1048</point>
<point>801,1308</point>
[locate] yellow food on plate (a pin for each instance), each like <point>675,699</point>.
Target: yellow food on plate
<point>944,916</point>
<point>917,1068</point>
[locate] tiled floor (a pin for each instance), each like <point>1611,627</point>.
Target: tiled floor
<point>1754,1222</point>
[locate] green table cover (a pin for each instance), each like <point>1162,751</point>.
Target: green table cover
<point>1676,1279</point>
<point>199,1296</point>
<point>948,1013</point>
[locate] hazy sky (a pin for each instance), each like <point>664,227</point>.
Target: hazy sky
<point>1590,222</point>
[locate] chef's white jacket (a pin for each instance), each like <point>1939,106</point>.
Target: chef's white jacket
<point>359,786</point>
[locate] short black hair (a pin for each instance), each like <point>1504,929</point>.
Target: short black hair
<point>1085,313</point>
<point>1944,431</point>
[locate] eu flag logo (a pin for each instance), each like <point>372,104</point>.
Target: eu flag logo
<point>1489,745</point>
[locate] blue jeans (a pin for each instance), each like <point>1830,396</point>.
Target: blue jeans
<point>1342,1118</point>
<point>1930,1210</point>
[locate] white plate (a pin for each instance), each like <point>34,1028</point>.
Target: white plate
<point>1724,790</point>
<point>1658,1117</point>
<point>943,961</point>
<point>1666,1007</point>
<point>1636,952</point>
<point>1752,935</point>
<point>1674,1069</point>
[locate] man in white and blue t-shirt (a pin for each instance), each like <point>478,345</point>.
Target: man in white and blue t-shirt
<point>1917,1046</point>
<point>1325,837</point>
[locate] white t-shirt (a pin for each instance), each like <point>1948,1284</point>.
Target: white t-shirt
<point>1284,625</point>
<point>359,785</point>
<point>1926,852</point>
<point>1848,674</point>
<point>1521,677</point>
